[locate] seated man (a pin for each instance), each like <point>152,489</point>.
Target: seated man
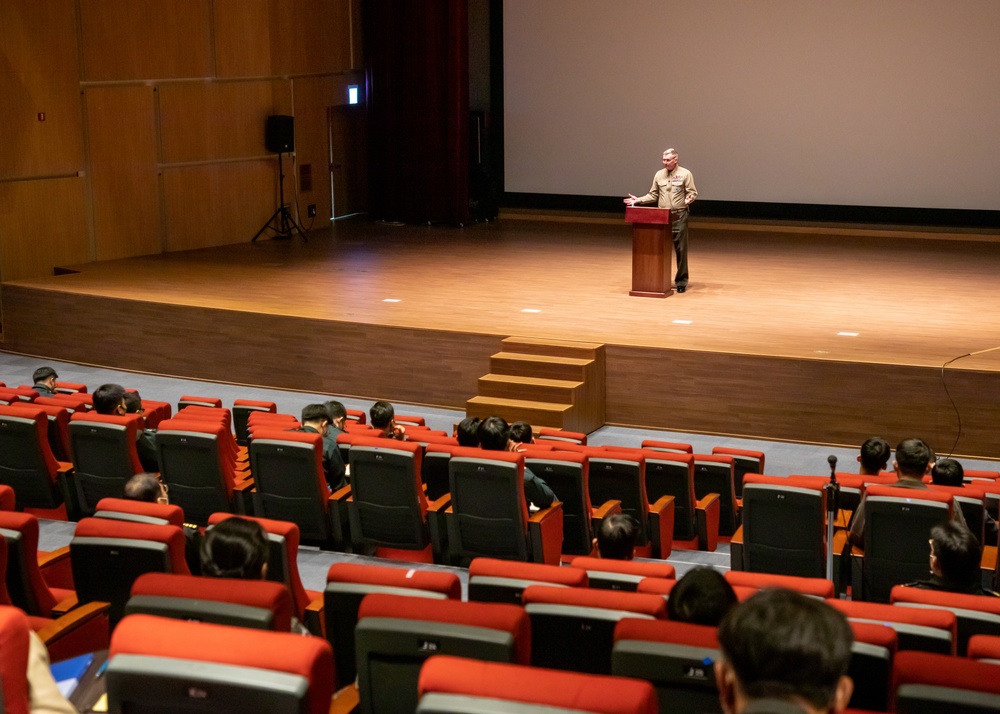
<point>382,417</point>
<point>44,380</point>
<point>521,433</point>
<point>110,399</point>
<point>874,456</point>
<point>337,413</point>
<point>616,537</point>
<point>467,432</point>
<point>149,488</point>
<point>316,420</point>
<point>702,597</point>
<point>784,652</point>
<point>955,558</point>
<point>949,472</point>
<point>494,435</point>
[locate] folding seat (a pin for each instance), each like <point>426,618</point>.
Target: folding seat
<point>242,409</point>
<point>567,474</point>
<point>258,604</point>
<point>451,684</point>
<point>353,427</point>
<point>410,420</point>
<point>122,509</point>
<point>188,400</point>
<point>745,461</point>
<point>972,501</point>
<point>426,437</point>
<point>672,474</point>
<point>926,682</point>
<point>356,416</point>
<point>898,522</point>
<point>784,527</point>
<point>817,587</point>
<point>58,431</point>
<point>977,615</point>
<point>621,475</point>
<point>8,501</point>
<point>622,575</point>
<point>985,647</point>
<point>28,465</point>
<point>287,467</point>
<point>668,446</point>
<point>70,388</point>
<point>715,473</point>
<point>396,633</point>
<point>573,628</point>
<point>219,416</point>
<point>572,437</point>
<point>154,412</point>
<point>663,586</point>
<point>434,469</point>
<point>347,584</point>
<point>198,467</point>
<point>930,630</point>
<point>872,654</point>
<point>71,402</point>
<point>388,510</point>
<point>492,580</point>
<point>25,393</point>
<point>104,455</point>
<point>265,420</point>
<point>108,555</point>
<point>28,569</point>
<point>489,515</point>
<point>170,666</point>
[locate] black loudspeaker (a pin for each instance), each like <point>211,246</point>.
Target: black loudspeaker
<point>279,134</point>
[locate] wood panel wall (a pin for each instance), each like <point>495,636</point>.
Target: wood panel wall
<point>152,137</point>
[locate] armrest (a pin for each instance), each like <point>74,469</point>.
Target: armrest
<point>661,522</point>
<point>545,530</point>
<point>65,605</point>
<point>336,505</point>
<point>736,561</point>
<point>64,468</point>
<point>604,510</point>
<point>340,494</point>
<point>49,559</point>
<point>244,485</point>
<point>707,517</point>
<point>345,701</point>
<point>72,620</point>
<point>439,505</point>
<point>314,617</point>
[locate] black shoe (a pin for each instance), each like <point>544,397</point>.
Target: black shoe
<point>682,288</point>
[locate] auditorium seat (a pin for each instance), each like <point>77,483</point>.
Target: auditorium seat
<point>929,630</point>
<point>71,402</point>
<point>28,465</point>
<point>872,654</point>
<point>434,468</point>
<point>977,614</point>
<point>671,447</point>
<point>410,420</point>
<point>985,647</point>
<point>663,586</point>
<point>123,509</point>
<point>188,400</point>
<point>927,682</point>
<point>356,416</point>
<point>817,587</point>
<point>70,388</point>
<point>242,409</point>
<point>450,684</point>
<point>717,474</point>
<point>165,665</point>
<point>624,575</point>
<point>58,431</point>
<point>27,584</point>
<point>104,455</point>
<point>549,434</point>
<point>672,474</point>
<point>14,643</point>
<point>972,501</point>
<point>745,461</point>
<point>492,580</point>
<point>8,499</point>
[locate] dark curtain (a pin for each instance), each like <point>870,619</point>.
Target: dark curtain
<point>417,66</point>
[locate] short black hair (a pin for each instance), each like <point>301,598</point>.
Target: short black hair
<point>875,453</point>
<point>912,457</point>
<point>107,397</point>
<point>783,644</point>
<point>947,472</point>
<point>702,597</point>
<point>958,552</point>
<point>335,410</point>
<point>143,487</point>
<point>466,433</point>
<point>493,433</point>
<point>381,415</point>
<point>133,402</point>
<point>314,412</point>
<point>235,548</point>
<point>617,535</point>
<point>43,373</point>
<point>520,431</point>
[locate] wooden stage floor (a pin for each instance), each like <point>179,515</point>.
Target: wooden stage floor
<point>413,313</point>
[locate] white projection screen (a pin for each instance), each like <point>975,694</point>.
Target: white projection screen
<point>852,103</point>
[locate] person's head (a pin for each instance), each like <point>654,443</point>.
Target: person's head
<point>316,416</point>
<point>494,434</point>
<point>235,548</point>
<point>133,403</point>
<point>617,535</point>
<point>109,399</point>
<point>955,554</point>
<point>466,432</point>
<point>146,487</point>
<point>781,644</point>
<point>45,375</point>
<point>382,415</point>
<point>670,159</point>
<point>520,432</point>
<point>702,597</point>
<point>912,458</point>
<point>336,413</point>
<point>874,457</point>
<point>948,472</point>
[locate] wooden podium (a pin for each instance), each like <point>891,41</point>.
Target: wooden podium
<point>652,251</point>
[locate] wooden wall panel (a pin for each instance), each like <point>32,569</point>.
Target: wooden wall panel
<point>122,136</point>
<point>43,224</point>
<point>217,204</point>
<point>146,39</point>
<point>39,73</point>
<point>202,121</point>
<point>310,36</point>
<point>242,38</point>
<point>312,144</point>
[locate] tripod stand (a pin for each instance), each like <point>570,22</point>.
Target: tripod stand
<point>281,221</point>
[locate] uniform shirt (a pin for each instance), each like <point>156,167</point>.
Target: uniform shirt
<point>670,189</point>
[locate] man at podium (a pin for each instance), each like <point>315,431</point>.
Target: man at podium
<point>673,188</point>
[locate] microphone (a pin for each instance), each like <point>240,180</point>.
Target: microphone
<point>832,460</point>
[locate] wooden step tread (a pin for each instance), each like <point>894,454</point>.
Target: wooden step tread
<point>533,381</point>
<point>568,361</point>
<point>521,404</point>
<point>554,343</point>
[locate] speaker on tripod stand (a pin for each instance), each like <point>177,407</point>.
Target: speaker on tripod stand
<point>279,138</point>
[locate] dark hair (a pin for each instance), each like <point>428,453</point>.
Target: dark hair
<point>493,433</point>
<point>335,410</point>
<point>107,397</point>
<point>466,432</point>
<point>875,453</point>
<point>314,412</point>
<point>43,373</point>
<point>617,535</point>
<point>702,597</point>
<point>381,415</point>
<point>133,402</point>
<point>912,457</point>
<point>947,472</point>
<point>783,644</point>
<point>958,553</point>
<point>143,487</point>
<point>520,431</point>
<point>235,548</point>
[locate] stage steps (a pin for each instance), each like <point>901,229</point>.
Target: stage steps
<point>554,383</point>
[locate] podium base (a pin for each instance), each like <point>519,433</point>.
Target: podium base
<point>646,293</point>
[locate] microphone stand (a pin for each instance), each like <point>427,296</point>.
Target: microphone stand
<point>832,489</point>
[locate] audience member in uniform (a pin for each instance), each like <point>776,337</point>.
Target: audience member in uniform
<point>467,432</point>
<point>783,652</point>
<point>494,435</point>
<point>616,537</point>
<point>955,559</point>
<point>148,488</point>
<point>702,597</point>
<point>44,380</point>
<point>874,456</point>
<point>315,419</point>
<point>521,433</point>
<point>337,414</point>
<point>110,399</point>
<point>382,417</point>
<point>949,472</point>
